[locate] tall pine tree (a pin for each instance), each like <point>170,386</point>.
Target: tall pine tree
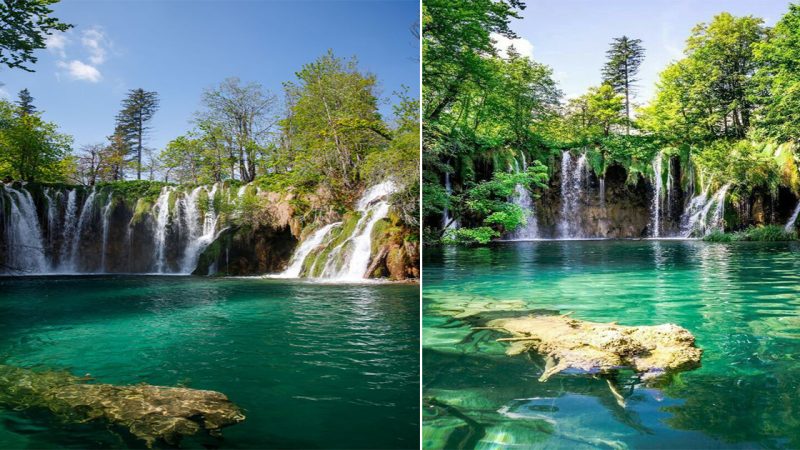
<point>624,59</point>
<point>138,109</point>
<point>25,103</point>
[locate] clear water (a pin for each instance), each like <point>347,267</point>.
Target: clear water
<point>312,365</point>
<point>741,301</point>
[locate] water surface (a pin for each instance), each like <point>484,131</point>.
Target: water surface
<point>741,301</point>
<point>313,365</point>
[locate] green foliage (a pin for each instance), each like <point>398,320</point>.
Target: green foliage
<point>399,161</point>
<point>764,233</point>
<point>134,190</point>
<point>333,124</point>
<point>719,236</point>
<point>470,236</point>
<point>25,27</point>
<point>33,150</point>
<point>746,165</point>
<point>707,94</point>
<point>778,79</point>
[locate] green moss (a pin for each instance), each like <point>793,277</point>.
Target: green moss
<point>141,210</point>
<point>315,263</point>
<point>133,190</point>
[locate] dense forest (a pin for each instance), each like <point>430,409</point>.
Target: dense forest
<point>721,129</point>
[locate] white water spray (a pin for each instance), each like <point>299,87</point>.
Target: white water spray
<point>305,248</point>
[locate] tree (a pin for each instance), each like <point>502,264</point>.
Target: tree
<point>91,164</point>
<point>32,148</point>
<point>333,123</point>
<point>709,94</point>
<point>246,116</point>
<point>778,79</point>
<point>455,38</point>
<point>23,27</point>
<point>25,103</point>
<point>624,59</point>
<point>138,108</point>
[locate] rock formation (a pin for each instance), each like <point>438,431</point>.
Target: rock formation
<point>589,347</point>
<point>150,413</point>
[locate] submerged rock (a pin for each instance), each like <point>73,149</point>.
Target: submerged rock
<point>150,413</point>
<point>589,347</point>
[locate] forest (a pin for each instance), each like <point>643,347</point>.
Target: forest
<point>723,121</point>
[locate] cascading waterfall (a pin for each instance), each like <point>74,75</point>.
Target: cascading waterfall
<point>69,226</point>
<point>106,214</point>
<point>199,237</point>
<point>161,209</point>
<point>790,224</point>
<point>176,229</point>
<point>349,259</point>
<point>447,221</point>
<point>522,198</point>
<point>696,220</point>
<point>572,186</point>
<point>305,248</point>
<point>23,237</point>
<point>86,212</point>
<point>655,218</point>
<point>52,214</point>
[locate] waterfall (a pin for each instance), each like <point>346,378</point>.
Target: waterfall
<point>161,210</point>
<point>198,238</point>
<point>69,226</point>
<point>790,224</point>
<point>305,248</point>
<point>349,260</point>
<point>356,266</point>
<point>86,211</point>
<point>52,215</point>
<point>105,215</point>
<point>572,181</point>
<point>655,218</point>
<point>522,198</point>
<point>448,187</point>
<point>602,189</point>
<point>696,220</point>
<point>23,235</point>
<point>78,227</point>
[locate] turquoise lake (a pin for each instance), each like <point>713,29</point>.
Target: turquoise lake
<point>312,365</point>
<point>741,301</point>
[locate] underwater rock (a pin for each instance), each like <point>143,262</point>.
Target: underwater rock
<point>150,413</point>
<point>589,347</point>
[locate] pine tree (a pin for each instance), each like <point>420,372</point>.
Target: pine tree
<point>138,109</point>
<point>624,59</point>
<point>25,103</point>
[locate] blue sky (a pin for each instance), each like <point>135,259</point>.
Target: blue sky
<point>178,48</point>
<point>572,36</point>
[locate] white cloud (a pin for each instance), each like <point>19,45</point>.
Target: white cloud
<point>521,45</point>
<point>57,44</point>
<point>81,71</point>
<point>4,93</point>
<point>95,42</point>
